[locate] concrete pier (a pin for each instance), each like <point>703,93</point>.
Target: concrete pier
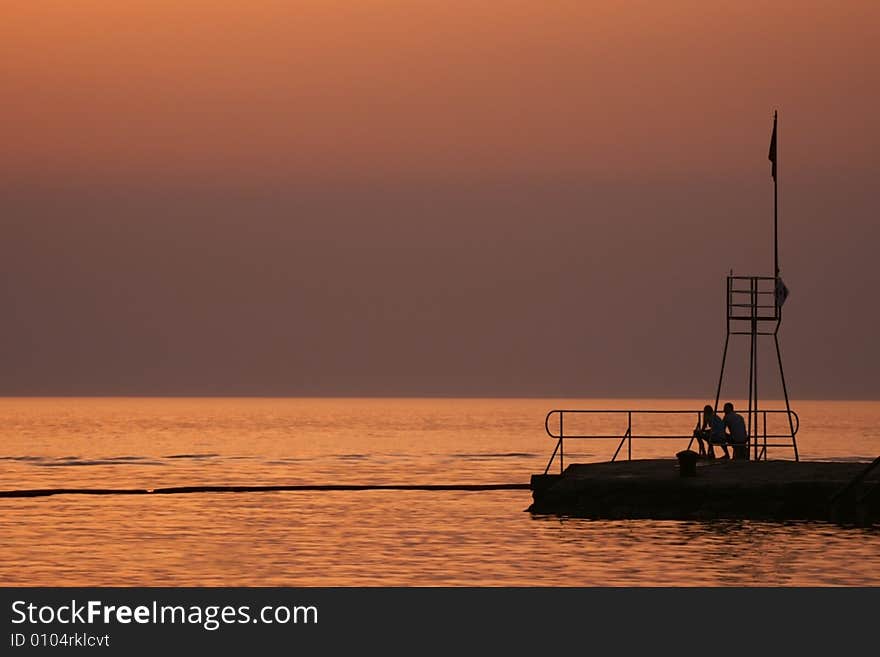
<point>759,490</point>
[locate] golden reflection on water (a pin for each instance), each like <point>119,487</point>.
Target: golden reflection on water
<point>369,537</point>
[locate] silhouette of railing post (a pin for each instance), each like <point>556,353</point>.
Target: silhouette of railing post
<point>629,433</point>
<point>561,446</point>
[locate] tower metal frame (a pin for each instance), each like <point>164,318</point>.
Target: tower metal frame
<point>754,308</point>
<point>746,305</point>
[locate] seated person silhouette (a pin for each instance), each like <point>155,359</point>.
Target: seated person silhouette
<point>711,431</point>
<point>737,434</point>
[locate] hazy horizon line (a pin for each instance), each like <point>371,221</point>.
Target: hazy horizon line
<point>423,397</point>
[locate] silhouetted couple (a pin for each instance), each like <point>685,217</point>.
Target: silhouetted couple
<point>728,431</point>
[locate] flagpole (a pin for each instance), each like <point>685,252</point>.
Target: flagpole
<point>775,199</point>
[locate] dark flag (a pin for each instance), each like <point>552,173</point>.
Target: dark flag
<point>781,293</point>
<point>772,154</point>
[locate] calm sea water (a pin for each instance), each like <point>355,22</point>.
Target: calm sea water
<point>375,537</point>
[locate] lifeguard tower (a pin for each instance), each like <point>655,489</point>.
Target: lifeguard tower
<point>754,309</point>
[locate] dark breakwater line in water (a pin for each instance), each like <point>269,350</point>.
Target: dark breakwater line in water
<point>183,490</point>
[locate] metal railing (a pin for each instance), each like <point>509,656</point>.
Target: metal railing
<point>626,436</point>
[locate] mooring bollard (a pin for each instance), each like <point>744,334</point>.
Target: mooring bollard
<point>687,463</point>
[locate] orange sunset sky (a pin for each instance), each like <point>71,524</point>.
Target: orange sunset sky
<point>387,197</point>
